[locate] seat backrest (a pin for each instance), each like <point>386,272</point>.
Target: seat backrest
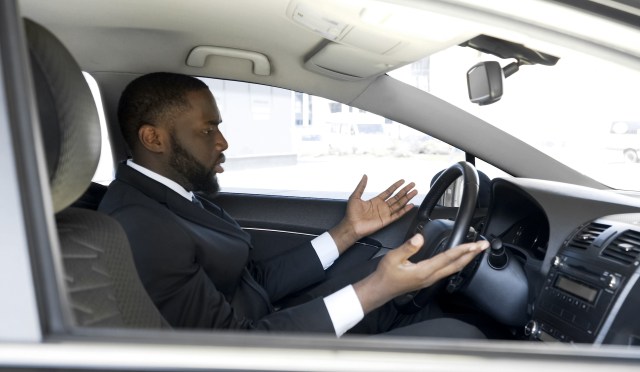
<point>101,281</point>
<point>91,198</point>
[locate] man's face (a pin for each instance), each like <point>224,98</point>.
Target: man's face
<point>197,144</point>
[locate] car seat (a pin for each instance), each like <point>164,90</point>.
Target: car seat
<point>102,284</point>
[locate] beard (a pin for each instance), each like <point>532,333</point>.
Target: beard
<point>193,175</point>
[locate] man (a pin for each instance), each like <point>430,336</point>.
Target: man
<point>193,258</point>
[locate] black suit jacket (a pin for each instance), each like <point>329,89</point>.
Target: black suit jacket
<point>194,262</point>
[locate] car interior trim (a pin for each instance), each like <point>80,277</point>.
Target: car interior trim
<point>199,55</point>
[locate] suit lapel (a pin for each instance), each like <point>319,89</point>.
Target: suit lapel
<point>208,217</point>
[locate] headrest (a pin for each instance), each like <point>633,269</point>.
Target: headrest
<point>68,116</point>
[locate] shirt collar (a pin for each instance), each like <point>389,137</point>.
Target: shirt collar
<point>162,179</point>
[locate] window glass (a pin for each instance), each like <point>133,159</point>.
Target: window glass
<point>583,111</point>
<point>288,143</point>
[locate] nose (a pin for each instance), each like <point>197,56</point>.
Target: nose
<point>221,142</point>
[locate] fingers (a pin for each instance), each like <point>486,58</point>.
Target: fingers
<point>391,189</point>
<point>357,193</point>
<point>401,198</point>
<point>410,247</point>
<point>395,274</point>
<point>453,260</point>
<point>399,203</point>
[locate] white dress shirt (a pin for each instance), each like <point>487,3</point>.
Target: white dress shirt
<point>343,306</point>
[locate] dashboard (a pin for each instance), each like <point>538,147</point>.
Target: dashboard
<point>575,261</point>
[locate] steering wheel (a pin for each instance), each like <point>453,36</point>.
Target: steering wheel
<point>440,234</point>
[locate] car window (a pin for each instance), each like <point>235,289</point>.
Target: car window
<point>294,144</point>
<point>288,143</point>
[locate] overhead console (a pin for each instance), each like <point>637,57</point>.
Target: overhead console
<point>591,293</point>
<point>364,39</point>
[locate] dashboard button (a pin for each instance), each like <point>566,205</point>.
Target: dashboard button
<point>613,282</point>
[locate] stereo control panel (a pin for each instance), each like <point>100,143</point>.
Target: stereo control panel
<point>590,285</point>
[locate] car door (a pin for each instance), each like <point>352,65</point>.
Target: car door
<point>279,223</point>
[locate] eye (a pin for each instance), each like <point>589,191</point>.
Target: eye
<point>209,129</point>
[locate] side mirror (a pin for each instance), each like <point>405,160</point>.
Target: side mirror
<point>484,81</point>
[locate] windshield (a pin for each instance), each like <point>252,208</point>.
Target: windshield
<point>583,111</point>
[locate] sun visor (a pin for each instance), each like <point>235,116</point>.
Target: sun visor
<point>363,40</point>
<point>349,63</point>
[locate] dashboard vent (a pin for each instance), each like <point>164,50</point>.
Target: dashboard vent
<point>585,237</point>
<point>625,248</point>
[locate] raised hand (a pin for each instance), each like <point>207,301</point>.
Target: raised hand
<point>364,217</point>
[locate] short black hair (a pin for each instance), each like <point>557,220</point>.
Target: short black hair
<point>153,97</point>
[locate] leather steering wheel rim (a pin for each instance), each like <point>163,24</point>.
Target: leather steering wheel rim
<point>414,301</point>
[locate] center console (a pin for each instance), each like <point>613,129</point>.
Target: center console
<point>591,293</point>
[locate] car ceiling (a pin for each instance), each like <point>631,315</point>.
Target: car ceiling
<point>151,35</point>
<point>160,34</point>
<point>119,39</point>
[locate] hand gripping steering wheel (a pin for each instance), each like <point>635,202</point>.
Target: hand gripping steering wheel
<point>441,234</point>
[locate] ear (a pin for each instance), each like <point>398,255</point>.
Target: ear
<point>153,138</point>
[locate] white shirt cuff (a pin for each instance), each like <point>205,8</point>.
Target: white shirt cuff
<point>326,249</point>
<point>344,309</point>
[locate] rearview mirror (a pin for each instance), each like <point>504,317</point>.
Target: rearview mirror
<point>484,81</point>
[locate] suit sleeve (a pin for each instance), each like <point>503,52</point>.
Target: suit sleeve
<point>289,272</point>
<point>185,295</point>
